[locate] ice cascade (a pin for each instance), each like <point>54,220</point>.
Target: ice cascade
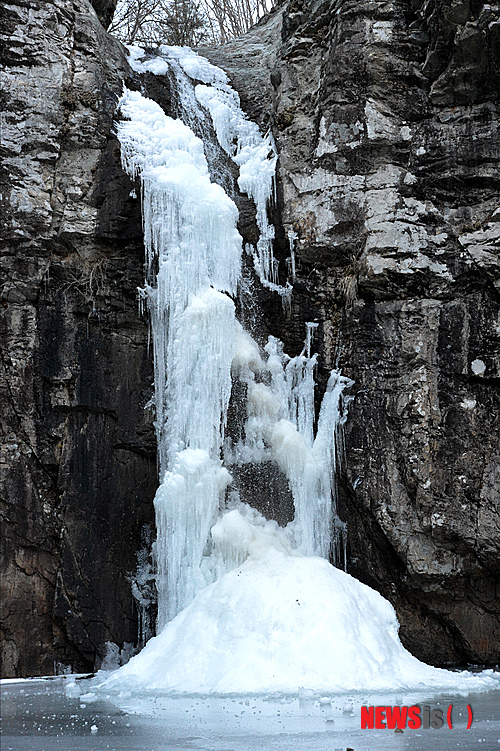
<point>190,236</point>
<point>244,605</point>
<point>240,138</point>
<point>193,257</point>
<point>280,428</point>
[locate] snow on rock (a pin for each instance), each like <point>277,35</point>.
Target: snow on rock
<point>156,65</point>
<point>195,66</point>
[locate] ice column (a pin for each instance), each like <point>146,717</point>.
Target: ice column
<point>193,253</point>
<point>310,463</point>
<point>256,157</point>
<point>292,236</point>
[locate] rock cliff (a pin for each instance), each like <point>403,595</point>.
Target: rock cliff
<point>78,449</point>
<point>385,117</point>
<point>386,120</point>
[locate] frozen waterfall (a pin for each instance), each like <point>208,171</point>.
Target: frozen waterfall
<point>190,235</point>
<point>193,256</point>
<point>244,605</point>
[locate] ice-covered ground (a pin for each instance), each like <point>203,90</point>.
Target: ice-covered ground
<point>61,715</point>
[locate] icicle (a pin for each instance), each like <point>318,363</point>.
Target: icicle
<point>186,505</point>
<point>144,589</point>
<point>292,236</point>
<point>310,329</point>
<point>191,238</point>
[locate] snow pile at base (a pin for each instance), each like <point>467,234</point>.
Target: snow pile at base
<point>279,622</point>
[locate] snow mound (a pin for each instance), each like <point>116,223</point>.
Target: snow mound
<point>279,622</point>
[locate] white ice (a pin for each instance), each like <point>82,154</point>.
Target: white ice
<point>292,237</point>
<point>186,506</point>
<point>244,606</point>
<point>242,140</point>
<point>191,237</point>
<point>279,622</point>
<point>196,67</point>
<point>280,427</point>
<point>256,157</point>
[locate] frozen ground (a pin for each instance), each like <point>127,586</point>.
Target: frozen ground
<point>39,715</point>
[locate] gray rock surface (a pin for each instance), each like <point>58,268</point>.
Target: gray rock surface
<point>386,120</point>
<point>78,450</point>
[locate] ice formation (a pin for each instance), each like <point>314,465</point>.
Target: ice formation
<point>193,254</point>
<point>280,622</point>
<point>240,138</point>
<point>256,157</point>
<point>244,605</point>
<point>292,236</point>
<point>280,427</point>
<point>190,235</point>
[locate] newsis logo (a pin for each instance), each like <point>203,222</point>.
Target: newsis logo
<point>414,718</point>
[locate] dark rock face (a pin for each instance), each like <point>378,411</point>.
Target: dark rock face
<point>386,122</point>
<point>78,449</point>
<point>105,10</point>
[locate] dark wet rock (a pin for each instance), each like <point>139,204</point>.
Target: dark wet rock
<point>105,10</point>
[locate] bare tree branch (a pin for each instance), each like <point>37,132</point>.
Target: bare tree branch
<point>185,22</point>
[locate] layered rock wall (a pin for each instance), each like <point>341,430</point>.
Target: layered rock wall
<point>386,120</point>
<point>78,450</point>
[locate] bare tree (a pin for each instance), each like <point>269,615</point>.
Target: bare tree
<point>155,22</point>
<point>185,22</point>
<point>233,17</point>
